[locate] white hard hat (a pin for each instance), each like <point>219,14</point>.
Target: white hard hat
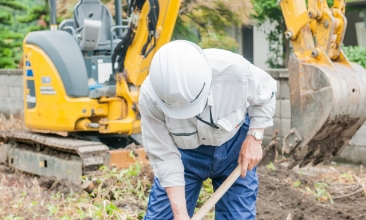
<point>181,76</point>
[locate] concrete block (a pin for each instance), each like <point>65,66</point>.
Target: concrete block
<point>13,106</point>
<point>16,92</point>
<point>354,154</point>
<point>276,125</point>
<point>285,109</point>
<point>266,140</point>
<point>11,71</point>
<point>4,80</point>
<point>285,90</point>
<point>278,109</point>
<point>274,73</point>
<point>4,91</point>
<point>6,112</point>
<point>278,93</point>
<point>360,137</point>
<point>17,113</point>
<point>17,104</point>
<point>15,80</point>
<point>285,126</point>
<point>5,101</point>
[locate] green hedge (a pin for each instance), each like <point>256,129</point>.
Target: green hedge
<point>356,54</point>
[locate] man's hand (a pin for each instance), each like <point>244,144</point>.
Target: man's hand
<point>177,200</point>
<point>250,154</point>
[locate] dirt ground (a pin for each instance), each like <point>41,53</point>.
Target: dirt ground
<point>336,193</point>
<point>278,198</point>
<point>282,195</point>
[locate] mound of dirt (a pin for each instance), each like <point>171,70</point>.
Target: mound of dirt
<point>278,199</point>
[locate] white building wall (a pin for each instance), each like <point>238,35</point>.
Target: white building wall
<point>261,45</point>
<point>260,48</point>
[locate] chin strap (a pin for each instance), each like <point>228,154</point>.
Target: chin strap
<point>211,124</point>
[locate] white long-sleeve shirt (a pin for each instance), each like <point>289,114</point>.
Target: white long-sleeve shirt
<point>237,88</point>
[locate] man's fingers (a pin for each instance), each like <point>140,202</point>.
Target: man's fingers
<point>251,166</point>
<point>239,160</point>
<point>244,167</point>
<point>253,163</point>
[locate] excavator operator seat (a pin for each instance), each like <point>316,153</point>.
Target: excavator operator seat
<point>87,10</point>
<point>90,35</point>
<point>67,23</point>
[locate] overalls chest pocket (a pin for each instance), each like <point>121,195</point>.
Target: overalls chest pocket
<point>229,124</point>
<point>209,132</point>
<point>183,132</point>
<point>214,136</point>
<point>186,140</point>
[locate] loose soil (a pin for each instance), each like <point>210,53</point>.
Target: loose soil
<point>282,194</point>
<point>278,198</point>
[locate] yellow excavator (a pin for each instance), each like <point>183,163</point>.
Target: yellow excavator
<point>81,86</point>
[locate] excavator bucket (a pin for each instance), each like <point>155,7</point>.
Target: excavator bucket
<point>328,106</point>
<point>327,92</point>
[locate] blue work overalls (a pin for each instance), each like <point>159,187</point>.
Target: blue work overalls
<point>216,163</point>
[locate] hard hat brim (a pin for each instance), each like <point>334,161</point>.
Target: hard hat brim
<point>189,111</point>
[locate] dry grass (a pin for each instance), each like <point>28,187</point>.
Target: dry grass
<point>335,183</point>
<point>121,194</point>
<point>11,123</point>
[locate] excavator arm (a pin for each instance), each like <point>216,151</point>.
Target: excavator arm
<point>151,25</point>
<point>327,92</point>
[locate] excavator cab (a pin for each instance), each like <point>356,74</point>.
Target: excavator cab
<point>327,92</point>
<point>91,27</point>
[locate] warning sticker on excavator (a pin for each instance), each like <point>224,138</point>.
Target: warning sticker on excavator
<point>31,99</point>
<point>47,90</point>
<point>46,80</point>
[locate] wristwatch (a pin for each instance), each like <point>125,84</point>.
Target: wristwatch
<point>256,134</point>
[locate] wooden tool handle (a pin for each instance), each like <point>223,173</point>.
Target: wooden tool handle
<point>218,194</point>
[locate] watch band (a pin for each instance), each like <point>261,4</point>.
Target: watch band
<point>256,134</point>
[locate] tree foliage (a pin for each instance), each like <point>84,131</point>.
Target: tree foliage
<point>38,15</point>
<point>201,21</point>
<point>269,11</point>
<point>356,54</point>
<point>10,41</point>
<point>204,22</point>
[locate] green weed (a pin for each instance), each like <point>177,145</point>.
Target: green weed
<point>271,166</point>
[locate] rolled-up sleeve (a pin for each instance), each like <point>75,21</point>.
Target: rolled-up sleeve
<point>163,154</point>
<point>262,90</point>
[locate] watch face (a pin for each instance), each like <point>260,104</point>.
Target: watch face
<point>258,135</point>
